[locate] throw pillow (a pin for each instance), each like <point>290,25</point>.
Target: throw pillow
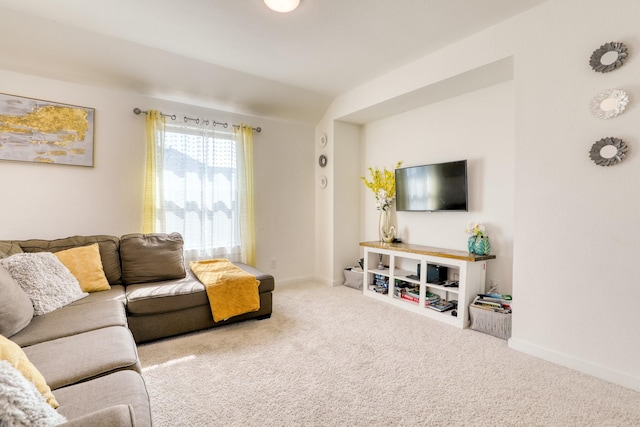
<point>47,282</point>
<point>151,257</point>
<point>20,402</point>
<point>16,309</point>
<point>85,264</point>
<point>13,354</point>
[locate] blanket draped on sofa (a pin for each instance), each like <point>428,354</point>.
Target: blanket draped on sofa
<point>231,290</point>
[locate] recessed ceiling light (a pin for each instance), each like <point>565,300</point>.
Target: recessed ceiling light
<point>282,5</point>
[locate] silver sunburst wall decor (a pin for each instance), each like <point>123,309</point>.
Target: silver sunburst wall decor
<point>609,103</point>
<point>608,57</point>
<point>608,151</point>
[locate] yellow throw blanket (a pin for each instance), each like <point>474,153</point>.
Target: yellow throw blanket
<point>231,290</point>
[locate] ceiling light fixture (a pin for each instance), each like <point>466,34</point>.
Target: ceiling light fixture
<point>282,5</point>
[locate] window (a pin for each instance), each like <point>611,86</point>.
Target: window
<point>198,191</point>
<point>199,182</point>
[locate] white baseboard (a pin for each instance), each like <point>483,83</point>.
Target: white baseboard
<point>604,373</point>
<point>295,280</point>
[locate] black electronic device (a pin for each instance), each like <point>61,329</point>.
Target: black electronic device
<point>436,274</point>
<point>431,188</point>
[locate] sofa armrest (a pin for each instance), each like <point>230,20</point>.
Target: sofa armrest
<point>113,416</point>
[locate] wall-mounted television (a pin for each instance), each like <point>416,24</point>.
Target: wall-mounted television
<point>434,187</point>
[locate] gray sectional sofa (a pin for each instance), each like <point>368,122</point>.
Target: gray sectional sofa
<point>86,350</point>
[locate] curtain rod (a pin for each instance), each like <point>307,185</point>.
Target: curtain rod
<point>138,111</point>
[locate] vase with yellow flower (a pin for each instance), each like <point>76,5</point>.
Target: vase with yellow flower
<point>383,185</point>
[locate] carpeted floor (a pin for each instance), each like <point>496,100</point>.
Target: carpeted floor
<point>332,357</point>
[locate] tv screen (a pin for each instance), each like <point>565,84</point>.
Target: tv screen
<point>435,187</point>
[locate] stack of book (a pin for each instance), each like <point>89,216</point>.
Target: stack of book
<point>497,303</point>
<point>443,305</point>
<point>430,299</point>
<point>410,294</point>
<point>380,284</point>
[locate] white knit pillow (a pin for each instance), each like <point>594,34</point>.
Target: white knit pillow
<point>21,404</point>
<point>47,282</point>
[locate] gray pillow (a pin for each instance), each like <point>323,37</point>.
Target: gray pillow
<point>16,309</point>
<point>47,282</point>
<point>21,402</point>
<point>151,257</point>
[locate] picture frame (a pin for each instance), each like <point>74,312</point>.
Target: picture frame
<point>40,131</point>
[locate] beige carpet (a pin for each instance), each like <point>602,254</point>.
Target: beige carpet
<point>332,357</point>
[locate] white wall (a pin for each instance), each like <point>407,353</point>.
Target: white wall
<point>54,201</point>
<point>478,127</point>
<point>575,221</point>
<point>573,234</point>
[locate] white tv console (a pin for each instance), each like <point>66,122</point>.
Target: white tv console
<point>401,260</point>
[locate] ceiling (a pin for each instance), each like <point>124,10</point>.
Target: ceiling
<point>236,55</point>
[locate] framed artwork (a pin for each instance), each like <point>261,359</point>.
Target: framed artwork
<point>33,130</point>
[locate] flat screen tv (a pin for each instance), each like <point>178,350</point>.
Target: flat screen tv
<point>430,188</point>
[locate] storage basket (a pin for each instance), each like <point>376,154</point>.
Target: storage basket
<point>353,279</point>
<point>490,322</point>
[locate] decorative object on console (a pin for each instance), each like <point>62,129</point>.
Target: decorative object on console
<point>609,103</point>
<point>383,185</point>
<point>482,246</point>
<point>478,243</point>
<point>608,57</point>
<point>40,131</point>
<point>608,151</point>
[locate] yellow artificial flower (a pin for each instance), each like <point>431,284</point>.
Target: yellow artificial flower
<point>383,185</point>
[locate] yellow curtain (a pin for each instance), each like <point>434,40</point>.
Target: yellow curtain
<point>155,126</point>
<point>243,135</point>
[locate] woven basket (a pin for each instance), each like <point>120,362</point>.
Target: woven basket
<point>489,322</point>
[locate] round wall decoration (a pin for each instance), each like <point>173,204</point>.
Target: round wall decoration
<point>609,103</point>
<point>322,181</point>
<point>323,140</point>
<point>608,151</point>
<point>322,160</point>
<point>608,57</point>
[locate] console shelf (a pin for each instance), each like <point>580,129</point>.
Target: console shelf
<point>401,260</point>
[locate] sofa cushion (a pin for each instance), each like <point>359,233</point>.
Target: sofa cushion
<point>267,283</point>
<point>70,320</point>
<point>16,309</point>
<point>166,296</point>
<point>47,282</point>
<point>8,248</point>
<point>85,264</point>
<point>151,257</point>
<point>113,416</point>
<point>116,293</point>
<point>21,403</point>
<point>118,388</point>
<point>16,357</point>
<point>81,357</point>
<point>109,251</point>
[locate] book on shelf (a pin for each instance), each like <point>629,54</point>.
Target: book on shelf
<point>409,297</point>
<point>442,305</point>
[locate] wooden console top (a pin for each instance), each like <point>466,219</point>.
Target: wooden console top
<point>428,250</point>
